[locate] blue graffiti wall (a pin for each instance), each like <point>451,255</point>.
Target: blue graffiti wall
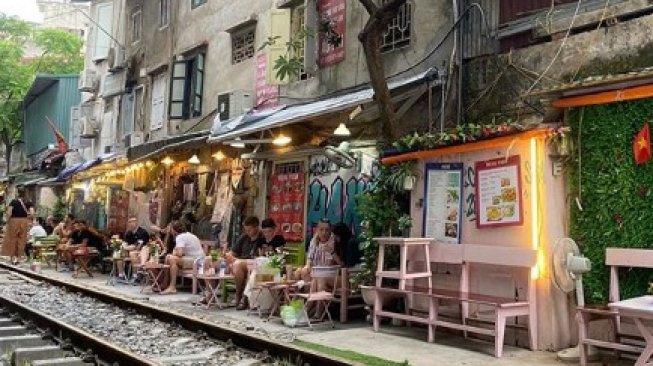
<point>332,194</point>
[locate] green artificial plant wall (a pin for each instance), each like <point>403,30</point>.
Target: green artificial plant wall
<point>615,193</point>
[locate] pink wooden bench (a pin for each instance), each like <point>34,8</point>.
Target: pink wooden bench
<point>469,255</point>
<point>615,258</point>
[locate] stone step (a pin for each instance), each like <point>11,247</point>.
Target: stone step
<point>64,361</point>
<point>8,344</point>
<point>15,330</point>
<point>27,355</point>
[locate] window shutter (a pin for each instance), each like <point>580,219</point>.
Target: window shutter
<point>198,84</point>
<point>104,26</point>
<point>278,26</point>
<point>158,100</point>
<point>310,44</point>
<point>178,91</point>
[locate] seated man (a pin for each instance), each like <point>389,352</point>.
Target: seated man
<point>271,240</point>
<point>188,249</point>
<point>65,227</point>
<point>36,231</point>
<point>135,239</point>
<point>243,251</point>
<point>81,236</point>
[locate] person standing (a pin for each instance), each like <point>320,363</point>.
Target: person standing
<point>17,227</point>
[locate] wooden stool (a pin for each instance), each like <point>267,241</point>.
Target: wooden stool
<point>82,257</point>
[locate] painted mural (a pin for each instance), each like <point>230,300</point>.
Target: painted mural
<point>332,194</point>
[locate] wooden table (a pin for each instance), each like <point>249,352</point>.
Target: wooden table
<point>153,273</point>
<point>279,292</point>
<point>211,286</point>
<point>638,309</point>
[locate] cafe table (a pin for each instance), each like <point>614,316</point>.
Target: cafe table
<point>639,309</point>
<point>211,287</point>
<point>153,276</point>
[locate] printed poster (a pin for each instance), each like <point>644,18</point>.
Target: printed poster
<point>498,192</point>
<point>267,95</point>
<point>443,202</point>
<point>118,211</point>
<point>286,205</point>
<point>336,12</point>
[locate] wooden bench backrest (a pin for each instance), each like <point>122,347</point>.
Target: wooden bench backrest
<point>499,255</point>
<point>625,257</point>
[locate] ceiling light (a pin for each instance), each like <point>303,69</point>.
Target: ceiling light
<point>194,160</point>
<point>237,144</point>
<point>218,156</point>
<point>281,140</point>
<point>167,160</point>
<point>342,130</point>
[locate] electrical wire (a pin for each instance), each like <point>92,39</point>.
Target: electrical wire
<point>555,57</point>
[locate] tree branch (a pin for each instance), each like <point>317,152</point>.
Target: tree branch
<point>370,6</point>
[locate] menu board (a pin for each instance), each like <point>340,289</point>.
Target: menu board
<point>267,95</point>
<point>498,192</point>
<point>443,203</point>
<point>286,205</point>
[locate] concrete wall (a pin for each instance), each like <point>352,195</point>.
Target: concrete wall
<point>208,26</point>
<point>552,306</point>
<point>623,47</point>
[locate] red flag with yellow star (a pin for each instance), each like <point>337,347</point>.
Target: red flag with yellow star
<point>642,145</point>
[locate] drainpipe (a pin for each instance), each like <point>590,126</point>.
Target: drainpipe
<point>458,48</point>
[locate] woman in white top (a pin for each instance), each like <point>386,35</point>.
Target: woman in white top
<point>321,251</point>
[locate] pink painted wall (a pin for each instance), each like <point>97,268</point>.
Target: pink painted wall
<point>553,307</point>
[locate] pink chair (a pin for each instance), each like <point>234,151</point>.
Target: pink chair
<point>322,299</point>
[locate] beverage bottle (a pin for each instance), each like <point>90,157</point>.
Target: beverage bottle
<point>200,266</point>
<point>223,267</point>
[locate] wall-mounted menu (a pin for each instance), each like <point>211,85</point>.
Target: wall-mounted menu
<point>443,202</point>
<point>498,192</point>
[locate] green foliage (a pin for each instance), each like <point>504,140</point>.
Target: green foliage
<point>382,216</point>
<point>356,357</point>
<point>461,134</point>
<point>616,197</point>
<point>60,53</point>
<point>60,208</point>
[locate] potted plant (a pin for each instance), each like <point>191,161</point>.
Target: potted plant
<point>404,223</point>
<point>402,176</point>
<point>116,245</point>
<point>277,262</point>
<point>560,142</point>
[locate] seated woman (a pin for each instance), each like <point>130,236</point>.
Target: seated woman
<point>321,252</point>
<point>271,240</point>
<point>347,245</point>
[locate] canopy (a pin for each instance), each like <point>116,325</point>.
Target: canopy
<point>255,121</point>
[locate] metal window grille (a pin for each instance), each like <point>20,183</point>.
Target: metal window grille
<point>288,168</point>
<point>399,31</point>
<point>298,23</point>
<point>243,45</point>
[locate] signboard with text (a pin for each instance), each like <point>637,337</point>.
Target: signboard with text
<point>498,193</point>
<point>335,11</point>
<point>267,95</point>
<point>443,202</point>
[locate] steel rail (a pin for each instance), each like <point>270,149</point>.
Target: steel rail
<point>249,342</point>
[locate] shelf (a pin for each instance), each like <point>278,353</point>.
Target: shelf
<point>405,276</point>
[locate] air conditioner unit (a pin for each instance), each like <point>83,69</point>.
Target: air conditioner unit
<point>89,131</point>
<point>117,59</point>
<point>234,104</point>
<point>88,81</point>
<point>134,139</point>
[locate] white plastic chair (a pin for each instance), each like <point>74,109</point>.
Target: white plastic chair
<point>322,299</point>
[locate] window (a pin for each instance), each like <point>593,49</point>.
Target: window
<point>298,25</point>
<point>399,29</point>
<point>186,87</point>
<point>164,13</point>
<point>157,112</point>
<point>137,25</point>
<point>195,3</point>
<point>103,29</point>
<point>242,44</point>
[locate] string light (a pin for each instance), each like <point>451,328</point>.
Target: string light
<point>219,155</point>
<point>167,161</point>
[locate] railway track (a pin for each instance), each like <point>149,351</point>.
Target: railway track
<point>111,352</point>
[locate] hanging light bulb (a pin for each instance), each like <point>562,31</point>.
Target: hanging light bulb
<point>281,140</point>
<point>342,130</point>
<point>218,155</point>
<point>238,145</point>
<point>167,161</point>
<point>194,160</point>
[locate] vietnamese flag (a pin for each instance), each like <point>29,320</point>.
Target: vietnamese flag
<point>642,145</point>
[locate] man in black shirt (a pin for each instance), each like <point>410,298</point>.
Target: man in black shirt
<point>245,249</point>
<point>271,240</point>
<point>82,236</point>
<point>135,238</point>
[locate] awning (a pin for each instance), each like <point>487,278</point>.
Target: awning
<point>33,182</point>
<point>77,168</point>
<point>51,182</point>
<point>152,148</point>
<point>255,121</point>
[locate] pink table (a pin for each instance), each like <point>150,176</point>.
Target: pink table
<point>638,309</point>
